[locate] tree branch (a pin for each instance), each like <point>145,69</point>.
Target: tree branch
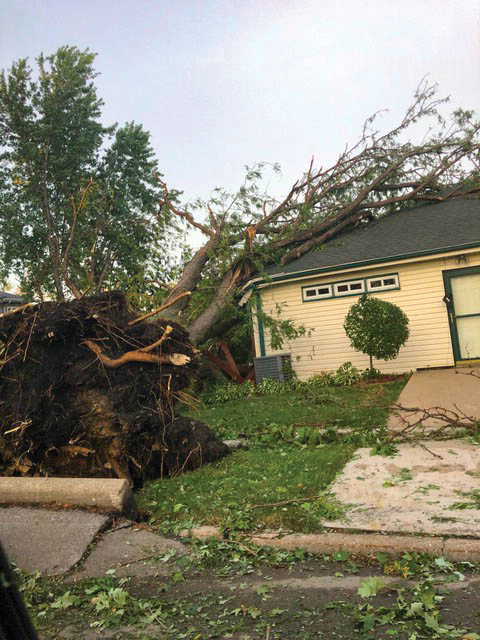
<point>162,308</point>
<point>182,213</point>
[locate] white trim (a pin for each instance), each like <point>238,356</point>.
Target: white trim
<point>313,293</point>
<point>382,279</point>
<point>349,287</point>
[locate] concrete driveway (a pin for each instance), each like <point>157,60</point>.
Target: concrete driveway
<point>430,486</point>
<point>441,392</point>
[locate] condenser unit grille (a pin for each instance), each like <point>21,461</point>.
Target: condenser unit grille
<point>276,367</point>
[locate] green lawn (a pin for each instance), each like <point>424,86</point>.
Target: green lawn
<point>295,452</point>
<point>358,407</point>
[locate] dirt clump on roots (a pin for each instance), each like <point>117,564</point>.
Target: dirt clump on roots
<point>87,389</point>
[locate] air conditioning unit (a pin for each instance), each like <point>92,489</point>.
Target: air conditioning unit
<point>276,367</point>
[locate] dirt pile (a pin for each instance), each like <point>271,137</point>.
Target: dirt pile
<point>87,389</point>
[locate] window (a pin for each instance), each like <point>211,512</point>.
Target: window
<point>382,283</point>
<point>317,292</point>
<point>350,287</point>
<point>347,288</point>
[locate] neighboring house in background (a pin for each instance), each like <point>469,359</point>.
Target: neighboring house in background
<point>425,259</point>
<point>9,301</point>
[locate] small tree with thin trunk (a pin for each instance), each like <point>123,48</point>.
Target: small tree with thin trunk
<point>377,328</point>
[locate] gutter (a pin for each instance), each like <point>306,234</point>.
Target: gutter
<point>280,277</point>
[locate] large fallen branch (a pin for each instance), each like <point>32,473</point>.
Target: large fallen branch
<point>449,419</point>
<point>248,230</point>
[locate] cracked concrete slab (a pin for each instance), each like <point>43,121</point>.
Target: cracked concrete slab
<point>413,492</point>
<point>130,551</point>
<point>48,541</point>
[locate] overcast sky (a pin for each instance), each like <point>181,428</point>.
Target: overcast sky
<point>221,84</point>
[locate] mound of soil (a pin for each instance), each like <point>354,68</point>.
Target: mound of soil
<point>86,389</point>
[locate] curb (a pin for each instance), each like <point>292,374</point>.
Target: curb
<point>110,494</point>
<point>454,549</point>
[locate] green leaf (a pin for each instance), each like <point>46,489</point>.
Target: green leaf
<point>370,587</point>
<point>415,609</point>
<point>65,601</point>
<point>262,590</point>
<point>432,622</point>
<point>443,564</point>
<point>368,621</point>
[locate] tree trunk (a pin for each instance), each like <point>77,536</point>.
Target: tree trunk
<point>190,278</point>
<point>224,294</point>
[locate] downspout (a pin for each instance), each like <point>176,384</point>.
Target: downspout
<point>261,335</point>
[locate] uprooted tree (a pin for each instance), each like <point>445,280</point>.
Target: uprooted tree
<point>77,215</point>
<point>84,387</point>
<point>88,388</point>
<point>378,175</point>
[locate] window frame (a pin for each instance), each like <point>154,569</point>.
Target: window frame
<point>306,298</point>
<point>349,292</point>
<point>388,287</point>
<point>334,293</point>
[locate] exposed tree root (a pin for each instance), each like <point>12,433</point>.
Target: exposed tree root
<point>84,391</point>
<point>139,355</point>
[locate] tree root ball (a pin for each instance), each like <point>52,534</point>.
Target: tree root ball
<point>86,389</point>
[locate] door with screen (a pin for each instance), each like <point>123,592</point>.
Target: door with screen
<point>462,288</point>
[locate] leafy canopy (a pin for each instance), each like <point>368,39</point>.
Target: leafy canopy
<point>80,200</point>
<point>376,327</point>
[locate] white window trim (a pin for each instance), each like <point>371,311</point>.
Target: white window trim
<point>333,291</point>
<point>317,296</point>
<point>349,283</point>
<point>384,287</point>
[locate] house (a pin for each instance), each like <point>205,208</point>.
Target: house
<point>425,259</point>
<point>9,301</point>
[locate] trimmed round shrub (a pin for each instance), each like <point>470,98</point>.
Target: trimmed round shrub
<point>377,328</point>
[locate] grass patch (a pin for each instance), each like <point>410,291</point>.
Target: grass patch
<point>357,407</point>
<point>224,493</point>
<point>296,450</point>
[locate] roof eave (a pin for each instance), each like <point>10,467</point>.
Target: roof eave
<point>280,277</point>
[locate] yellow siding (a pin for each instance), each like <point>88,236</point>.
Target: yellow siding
<point>420,296</point>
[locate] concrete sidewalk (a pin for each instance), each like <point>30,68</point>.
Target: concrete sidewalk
<point>431,488</point>
<point>455,390</point>
<point>82,544</point>
<point>77,548</point>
